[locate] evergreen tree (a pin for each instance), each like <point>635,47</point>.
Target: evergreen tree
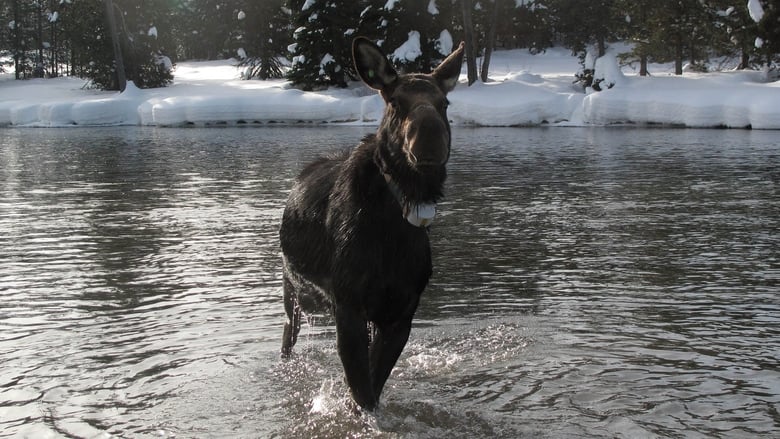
<point>734,32</point>
<point>372,22</point>
<point>525,24</point>
<point>413,33</point>
<point>208,29</point>
<point>24,38</point>
<point>322,48</point>
<point>143,34</point>
<point>669,31</point>
<point>5,33</point>
<point>580,24</point>
<point>264,38</point>
<point>769,32</point>
<point>145,40</point>
<point>642,21</point>
<point>91,55</point>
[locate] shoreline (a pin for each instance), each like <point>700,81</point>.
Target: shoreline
<point>524,91</point>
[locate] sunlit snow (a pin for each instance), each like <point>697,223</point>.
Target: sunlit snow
<point>524,89</point>
<point>755,10</point>
<point>409,50</point>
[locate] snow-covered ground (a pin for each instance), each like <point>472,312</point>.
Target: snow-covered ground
<point>524,89</point>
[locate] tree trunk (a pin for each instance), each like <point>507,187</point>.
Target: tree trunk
<point>744,62</point>
<point>17,41</point>
<point>53,49</point>
<point>678,55</point>
<point>120,64</point>
<point>602,45</point>
<point>490,42</point>
<point>39,66</point>
<point>643,65</point>
<point>468,28</point>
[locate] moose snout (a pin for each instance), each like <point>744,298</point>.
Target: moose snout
<point>427,137</point>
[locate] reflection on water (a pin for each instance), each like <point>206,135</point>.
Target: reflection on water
<point>588,282</point>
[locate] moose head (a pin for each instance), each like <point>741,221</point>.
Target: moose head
<point>414,132</point>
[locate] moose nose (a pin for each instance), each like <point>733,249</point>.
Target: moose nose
<point>427,137</point>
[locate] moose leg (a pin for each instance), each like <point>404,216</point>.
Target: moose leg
<point>352,341</point>
<point>386,347</point>
<point>293,324</point>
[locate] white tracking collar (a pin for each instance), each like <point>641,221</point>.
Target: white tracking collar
<point>421,215</point>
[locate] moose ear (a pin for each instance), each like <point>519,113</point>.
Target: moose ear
<point>372,65</point>
<point>448,71</point>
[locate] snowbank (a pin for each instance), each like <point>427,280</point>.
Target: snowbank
<point>524,90</point>
<point>731,100</point>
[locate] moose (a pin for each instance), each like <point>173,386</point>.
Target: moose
<point>354,231</point>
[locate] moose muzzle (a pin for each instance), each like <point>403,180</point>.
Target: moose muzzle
<point>427,137</point>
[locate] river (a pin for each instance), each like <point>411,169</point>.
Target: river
<point>588,282</point>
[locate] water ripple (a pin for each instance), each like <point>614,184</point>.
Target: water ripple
<point>588,283</point>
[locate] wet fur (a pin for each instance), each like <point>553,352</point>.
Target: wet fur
<point>346,244</point>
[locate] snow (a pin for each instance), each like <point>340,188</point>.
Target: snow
<point>410,49</point>
<point>444,43</point>
<point>432,9</point>
<point>152,32</point>
<point>524,89</point>
<point>607,71</point>
<point>164,61</point>
<point>755,10</point>
<point>326,59</point>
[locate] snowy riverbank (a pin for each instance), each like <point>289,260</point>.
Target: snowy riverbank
<point>524,90</point>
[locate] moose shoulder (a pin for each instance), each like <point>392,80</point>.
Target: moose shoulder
<point>354,231</point>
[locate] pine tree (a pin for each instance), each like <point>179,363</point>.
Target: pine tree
<point>733,32</point>
<point>769,32</point>
<point>146,38</point>
<point>84,24</point>
<point>264,38</point>
<point>673,31</point>
<point>581,24</point>
<point>20,37</point>
<point>5,34</point>
<point>524,24</point>
<point>641,27</point>
<point>679,29</point>
<point>373,23</point>
<point>413,33</point>
<point>25,37</point>
<point>208,29</point>
<point>321,53</point>
<point>144,34</point>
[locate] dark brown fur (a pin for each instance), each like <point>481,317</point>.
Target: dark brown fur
<point>346,243</point>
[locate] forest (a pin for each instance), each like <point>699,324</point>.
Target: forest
<point>308,41</point>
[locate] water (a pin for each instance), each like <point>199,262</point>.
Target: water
<point>588,283</point>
